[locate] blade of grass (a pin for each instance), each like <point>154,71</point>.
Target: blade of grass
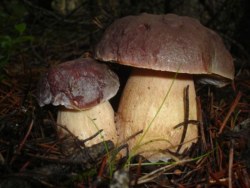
<point>138,144</point>
<point>150,176</point>
<point>106,148</point>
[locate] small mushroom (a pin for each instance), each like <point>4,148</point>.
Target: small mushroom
<point>161,47</point>
<point>82,87</point>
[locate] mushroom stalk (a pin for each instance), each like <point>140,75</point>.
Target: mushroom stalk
<point>140,109</point>
<point>84,124</point>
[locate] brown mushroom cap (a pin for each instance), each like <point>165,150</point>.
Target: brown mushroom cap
<point>77,84</point>
<point>166,43</point>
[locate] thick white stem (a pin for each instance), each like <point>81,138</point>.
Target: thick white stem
<point>86,123</point>
<point>138,109</point>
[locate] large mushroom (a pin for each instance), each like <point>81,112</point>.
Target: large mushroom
<point>82,88</point>
<point>167,50</point>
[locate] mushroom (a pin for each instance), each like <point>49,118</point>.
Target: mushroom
<point>166,51</point>
<point>82,87</point>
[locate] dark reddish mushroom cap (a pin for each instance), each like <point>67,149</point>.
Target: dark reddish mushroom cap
<point>78,84</point>
<point>167,43</point>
